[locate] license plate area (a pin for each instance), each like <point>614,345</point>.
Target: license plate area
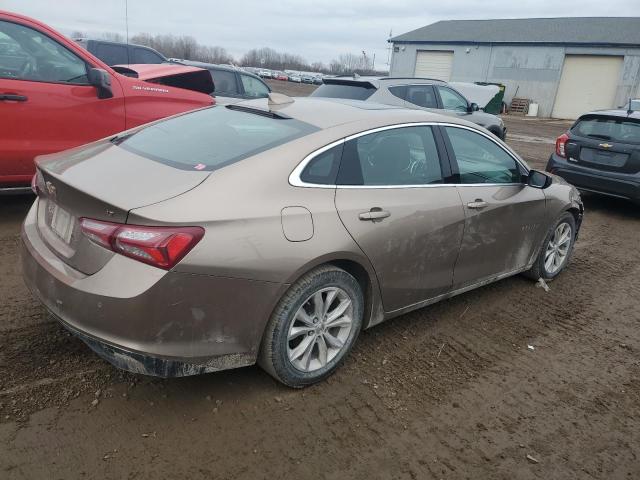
<point>603,158</point>
<point>62,223</point>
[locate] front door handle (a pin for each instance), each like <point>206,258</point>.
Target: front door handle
<point>478,204</point>
<point>13,97</point>
<point>375,214</point>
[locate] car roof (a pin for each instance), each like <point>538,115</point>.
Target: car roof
<point>618,113</point>
<point>330,112</point>
<point>215,66</point>
<point>377,81</point>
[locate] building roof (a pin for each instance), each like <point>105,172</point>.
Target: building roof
<point>573,31</point>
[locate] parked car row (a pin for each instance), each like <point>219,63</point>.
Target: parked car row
<point>290,76</point>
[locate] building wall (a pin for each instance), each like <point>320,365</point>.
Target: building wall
<point>528,71</point>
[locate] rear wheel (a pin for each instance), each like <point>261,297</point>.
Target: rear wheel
<point>556,250</point>
<point>313,327</point>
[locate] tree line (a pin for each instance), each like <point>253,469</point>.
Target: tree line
<point>186,47</point>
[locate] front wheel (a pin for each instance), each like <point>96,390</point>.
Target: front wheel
<point>313,327</point>
<point>556,250</point>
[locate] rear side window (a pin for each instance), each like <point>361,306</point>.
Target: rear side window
<point>481,160</point>
<point>225,82</point>
<point>144,55</point>
<point>212,138</point>
<point>323,168</point>
<point>353,91</point>
<point>422,96</point>
<point>111,54</point>
<point>399,91</point>
<point>620,130</point>
<point>395,157</point>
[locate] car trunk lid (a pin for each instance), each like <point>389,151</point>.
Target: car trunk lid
<point>118,181</point>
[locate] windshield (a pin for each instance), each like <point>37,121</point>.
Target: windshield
<point>622,129</point>
<point>357,91</point>
<point>212,138</point>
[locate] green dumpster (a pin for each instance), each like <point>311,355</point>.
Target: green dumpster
<point>495,104</point>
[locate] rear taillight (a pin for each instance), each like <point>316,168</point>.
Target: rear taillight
<point>161,247</point>
<point>561,142</point>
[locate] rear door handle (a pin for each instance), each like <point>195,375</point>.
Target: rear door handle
<point>375,214</point>
<point>13,97</point>
<point>478,204</point>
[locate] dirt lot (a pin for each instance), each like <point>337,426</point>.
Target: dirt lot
<point>450,391</point>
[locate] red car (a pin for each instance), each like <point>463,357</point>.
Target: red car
<point>55,95</point>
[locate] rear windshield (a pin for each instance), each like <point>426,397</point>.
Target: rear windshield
<point>360,91</point>
<point>212,138</point>
<point>621,130</point>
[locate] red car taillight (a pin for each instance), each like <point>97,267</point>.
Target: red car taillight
<point>161,247</point>
<point>561,142</point>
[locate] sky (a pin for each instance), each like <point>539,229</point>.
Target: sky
<point>319,30</point>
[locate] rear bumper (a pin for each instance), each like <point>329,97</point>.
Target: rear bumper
<point>146,320</point>
<point>613,184</point>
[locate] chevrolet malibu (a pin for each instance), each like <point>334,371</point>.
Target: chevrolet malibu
<point>275,230</point>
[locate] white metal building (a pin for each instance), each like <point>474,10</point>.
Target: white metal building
<point>566,65</point>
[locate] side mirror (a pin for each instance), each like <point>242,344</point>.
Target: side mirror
<point>473,107</point>
<point>537,179</point>
<point>102,81</point>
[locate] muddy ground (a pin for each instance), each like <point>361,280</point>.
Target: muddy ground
<point>506,382</point>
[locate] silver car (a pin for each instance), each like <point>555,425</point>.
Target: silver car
<point>417,93</point>
<point>274,230</point>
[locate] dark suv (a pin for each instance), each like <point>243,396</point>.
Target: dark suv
<point>116,53</point>
<point>601,153</point>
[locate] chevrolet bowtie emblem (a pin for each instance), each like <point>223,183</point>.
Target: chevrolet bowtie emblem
<point>605,145</point>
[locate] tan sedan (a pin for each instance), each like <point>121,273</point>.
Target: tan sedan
<point>274,230</point>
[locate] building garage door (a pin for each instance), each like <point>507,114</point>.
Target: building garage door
<point>434,64</point>
<point>588,82</point>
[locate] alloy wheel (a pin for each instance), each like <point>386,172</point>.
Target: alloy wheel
<point>320,329</point>
<point>558,248</point>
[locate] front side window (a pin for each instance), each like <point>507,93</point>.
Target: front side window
<point>32,55</point>
<point>422,96</point>
<point>481,160</point>
<point>400,156</point>
<point>211,138</point>
<point>225,82</point>
<point>452,100</point>
<point>253,87</point>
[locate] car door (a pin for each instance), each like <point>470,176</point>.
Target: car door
<point>46,103</point>
<point>392,199</point>
<point>504,216</point>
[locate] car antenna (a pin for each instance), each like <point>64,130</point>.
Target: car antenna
<point>126,22</point>
<point>277,99</point>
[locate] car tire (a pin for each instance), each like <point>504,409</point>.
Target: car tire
<point>545,266</point>
<point>300,322</point>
